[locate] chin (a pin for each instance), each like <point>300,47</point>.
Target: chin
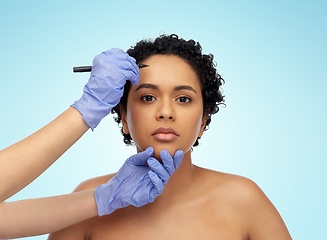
<point>171,148</point>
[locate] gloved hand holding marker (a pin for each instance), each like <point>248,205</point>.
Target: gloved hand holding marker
<point>109,72</point>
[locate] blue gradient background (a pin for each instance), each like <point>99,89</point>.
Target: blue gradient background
<point>272,55</point>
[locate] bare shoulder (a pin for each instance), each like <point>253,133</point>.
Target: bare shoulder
<point>93,182</point>
<point>229,184</point>
<point>244,199</point>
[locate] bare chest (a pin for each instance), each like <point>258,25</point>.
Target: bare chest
<point>185,223</point>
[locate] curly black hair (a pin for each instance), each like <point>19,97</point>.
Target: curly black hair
<point>191,52</point>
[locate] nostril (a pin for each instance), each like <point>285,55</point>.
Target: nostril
<point>162,117</point>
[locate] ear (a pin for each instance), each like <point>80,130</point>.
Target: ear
<point>123,119</point>
<point>203,124</point>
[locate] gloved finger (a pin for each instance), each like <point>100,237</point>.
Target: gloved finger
<point>118,61</point>
<point>169,163</point>
<point>178,158</point>
<point>131,76</point>
<point>157,168</point>
<point>141,157</point>
<point>126,68</point>
<point>157,183</point>
<point>135,79</point>
<point>123,57</point>
<point>133,66</point>
<point>128,63</point>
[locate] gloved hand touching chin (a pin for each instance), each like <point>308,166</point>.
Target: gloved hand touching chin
<point>110,70</point>
<point>137,183</point>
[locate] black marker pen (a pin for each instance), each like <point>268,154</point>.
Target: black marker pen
<point>89,68</point>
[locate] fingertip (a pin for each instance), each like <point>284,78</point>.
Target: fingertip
<point>178,158</point>
<point>135,78</point>
<point>150,151</point>
<point>135,82</point>
<point>179,154</point>
<point>164,154</point>
<point>141,157</point>
<point>151,161</point>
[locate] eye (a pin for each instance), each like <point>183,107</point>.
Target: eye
<point>148,98</point>
<point>184,99</point>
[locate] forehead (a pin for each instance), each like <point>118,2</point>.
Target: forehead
<point>168,70</point>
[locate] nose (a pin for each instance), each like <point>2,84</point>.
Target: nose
<point>165,110</point>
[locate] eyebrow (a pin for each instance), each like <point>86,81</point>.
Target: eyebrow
<point>155,87</point>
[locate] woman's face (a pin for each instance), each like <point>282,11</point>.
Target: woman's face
<point>165,110</point>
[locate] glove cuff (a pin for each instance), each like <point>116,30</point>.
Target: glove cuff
<point>101,199</point>
<point>92,110</point>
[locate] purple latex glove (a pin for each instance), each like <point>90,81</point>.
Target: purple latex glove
<point>110,71</point>
<point>136,183</point>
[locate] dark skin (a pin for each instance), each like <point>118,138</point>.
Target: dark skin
<point>196,203</point>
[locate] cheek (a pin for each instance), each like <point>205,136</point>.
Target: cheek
<point>192,127</point>
<point>132,122</point>
<point>137,122</point>
<point>192,118</point>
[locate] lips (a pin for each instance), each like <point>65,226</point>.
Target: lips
<point>164,130</point>
<point>165,134</point>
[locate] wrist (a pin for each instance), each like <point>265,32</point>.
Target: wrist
<point>92,111</point>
